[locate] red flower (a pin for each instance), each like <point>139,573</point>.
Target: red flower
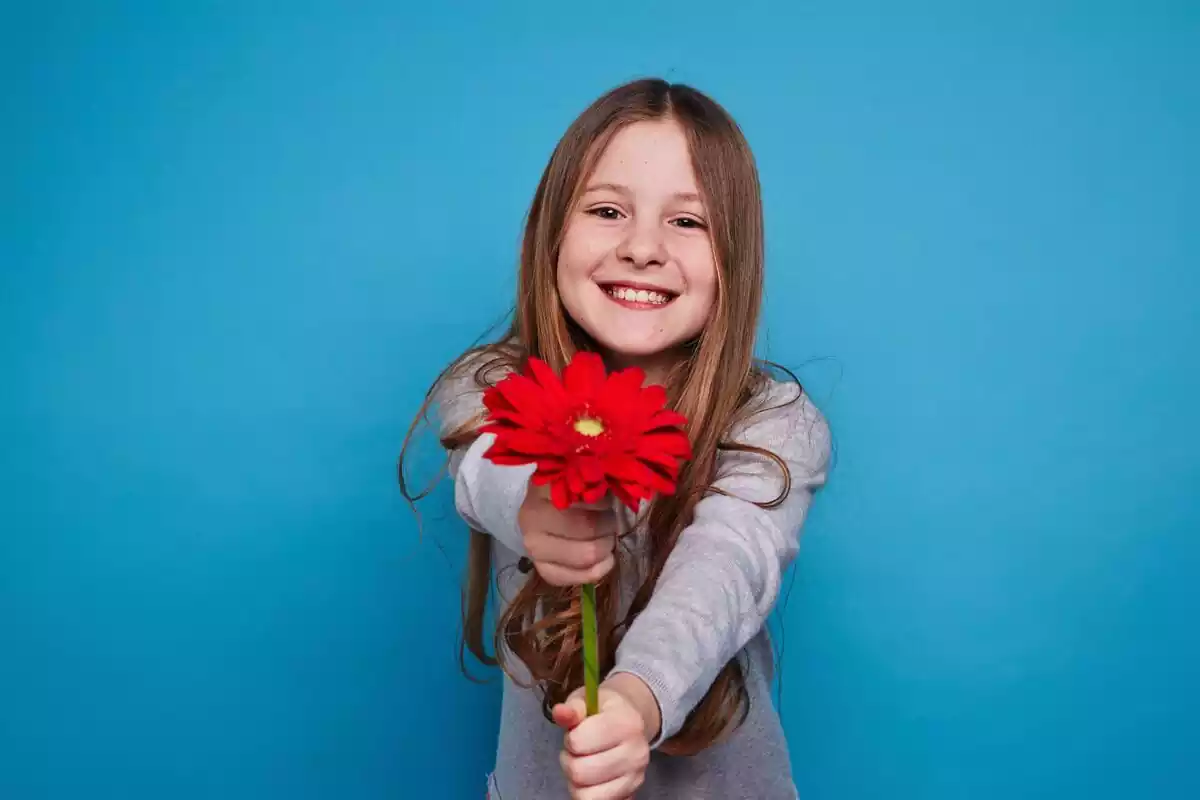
<point>588,433</point>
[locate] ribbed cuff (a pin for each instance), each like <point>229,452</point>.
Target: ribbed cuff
<point>667,726</point>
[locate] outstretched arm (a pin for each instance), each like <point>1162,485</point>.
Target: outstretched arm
<point>723,576</point>
<point>722,579</point>
<point>486,496</point>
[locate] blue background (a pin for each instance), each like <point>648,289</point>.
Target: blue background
<point>238,243</point>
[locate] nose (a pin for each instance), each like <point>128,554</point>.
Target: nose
<point>643,246</point>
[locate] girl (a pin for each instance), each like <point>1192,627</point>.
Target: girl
<point>644,243</point>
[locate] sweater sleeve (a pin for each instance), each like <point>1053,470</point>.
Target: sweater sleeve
<point>721,580</point>
<point>486,496</point>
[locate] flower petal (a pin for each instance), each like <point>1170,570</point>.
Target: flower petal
<point>591,470</point>
<point>622,391</point>
<point>544,376</point>
<point>559,495</point>
<point>505,419</point>
<point>629,470</point>
<point>629,494</point>
<point>639,452</point>
<point>595,493</point>
<point>509,459</point>
<point>673,443</point>
<point>667,419</point>
<point>533,442</point>
<point>523,396</point>
<point>662,462</point>
<point>648,402</point>
<point>546,473</point>
<point>584,377</point>
<point>574,479</point>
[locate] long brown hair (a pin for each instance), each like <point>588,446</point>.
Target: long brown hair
<point>713,381</point>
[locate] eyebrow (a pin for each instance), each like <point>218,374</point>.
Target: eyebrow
<point>620,189</point>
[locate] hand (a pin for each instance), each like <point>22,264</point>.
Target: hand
<point>605,756</point>
<point>570,547</point>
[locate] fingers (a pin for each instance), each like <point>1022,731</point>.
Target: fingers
<point>557,575</point>
<point>580,520</point>
<point>542,491</point>
<point>570,553</point>
<point>566,716</point>
<point>605,756</point>
<point>604,731</point>
<point>571,546</point>
<point>569,562</point>
<point>620,789</point>
<point>603,504</point>
<point>603,521</point>
<point>605,772</point>
<point>538,491</point>
<point>582,523</point>
<point>576,522</point>
<point>572,711</point>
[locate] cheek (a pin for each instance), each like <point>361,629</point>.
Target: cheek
<point>572,274</point>
<point>706,304</point>
<point>576,258</point>
<point>702,280</point>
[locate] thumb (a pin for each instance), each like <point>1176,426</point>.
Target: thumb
<point>571,712</point>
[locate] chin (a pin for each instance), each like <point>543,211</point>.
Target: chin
<point>629,348</point>
<point>632,336</point>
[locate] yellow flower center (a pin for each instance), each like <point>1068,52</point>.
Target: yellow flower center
<point>589,426</point>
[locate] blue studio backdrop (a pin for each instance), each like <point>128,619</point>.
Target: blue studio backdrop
<point>239,240</point>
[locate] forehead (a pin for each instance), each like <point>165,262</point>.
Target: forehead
<point>648,155</point>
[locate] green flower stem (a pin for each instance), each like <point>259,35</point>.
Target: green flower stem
<point>591,649</point>
<point>591,646</point>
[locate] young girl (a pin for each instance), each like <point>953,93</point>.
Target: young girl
<point>644,244</point>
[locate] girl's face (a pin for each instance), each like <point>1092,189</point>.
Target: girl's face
<point>636,268</point>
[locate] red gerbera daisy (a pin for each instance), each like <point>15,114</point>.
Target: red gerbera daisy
<point>588,433</point>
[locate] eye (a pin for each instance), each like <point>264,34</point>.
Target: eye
<point>688,223</point>
<point>605,212</point>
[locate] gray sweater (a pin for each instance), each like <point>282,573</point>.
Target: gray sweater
<point>711,602</point>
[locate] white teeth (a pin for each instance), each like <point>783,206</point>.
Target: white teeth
<point>639,295</point>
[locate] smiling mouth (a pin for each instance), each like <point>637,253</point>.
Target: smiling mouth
<point>639,298</point>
